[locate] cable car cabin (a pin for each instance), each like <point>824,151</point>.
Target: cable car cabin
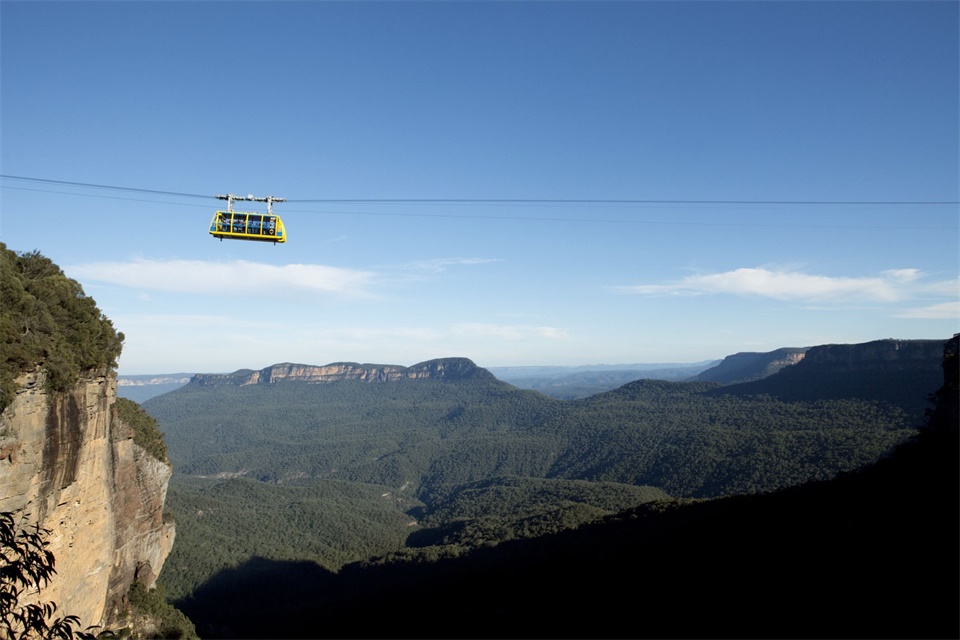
<point>236,225</point>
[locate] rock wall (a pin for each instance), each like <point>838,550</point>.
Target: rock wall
<point>440,369</point>
<point>879,355</point>
<point>748,366</point>
<point>902,373</point>
<point>71,466</point>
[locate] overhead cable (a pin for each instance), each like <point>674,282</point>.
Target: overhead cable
<point>516,200</point>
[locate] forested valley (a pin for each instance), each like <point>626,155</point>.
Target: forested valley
<point>322,496</point>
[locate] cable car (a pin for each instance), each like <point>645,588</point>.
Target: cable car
<point>237,225</point>
<point>243,225</point>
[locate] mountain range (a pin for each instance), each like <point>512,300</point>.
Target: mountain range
<point>327,466</point>
<point>566,383</point>
<point>812,497</point>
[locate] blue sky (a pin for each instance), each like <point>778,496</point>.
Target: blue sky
<point>715,125</point>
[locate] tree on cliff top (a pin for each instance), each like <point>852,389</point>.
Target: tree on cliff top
<point>47,320</point>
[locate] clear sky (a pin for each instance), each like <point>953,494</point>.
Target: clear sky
<point>770,158</point>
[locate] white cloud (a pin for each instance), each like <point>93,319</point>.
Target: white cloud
<point>946,288</point>
<point>239,277</point>
<point>890,286</point>
<point>943,311</point>
<point>903,275</point>
<point>436,265</point>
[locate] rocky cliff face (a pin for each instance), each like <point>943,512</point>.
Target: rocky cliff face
<point>441,369</point>
<point>898,372</point>
<point>71,466</point>
<point>879,355</point>
<point>747,366</point>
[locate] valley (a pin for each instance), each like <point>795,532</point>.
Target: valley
<point>329,477</point>
<point>817,487</point>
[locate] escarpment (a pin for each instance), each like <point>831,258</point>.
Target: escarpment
<point>70,465</point>
<point>748,366</point>
<point>879,355</point>
<point>448,369</point>
<point>900,372</point>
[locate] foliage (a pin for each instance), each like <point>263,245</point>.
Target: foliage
<point>472,463</point>
<point>26,566</point>
<point>167,621</point>
<point>221,523</point>
<point>512,507</point>
<point>146,432</point>
<point>47,320</point>
<point>679,437</point>
<point>817,560</point>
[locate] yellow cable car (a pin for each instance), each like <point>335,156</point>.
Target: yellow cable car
<point>241,225</point>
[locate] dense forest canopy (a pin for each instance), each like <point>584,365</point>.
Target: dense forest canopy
<point>424,435</point>
<point>424,470</point>
<point>47,320</point>
<point>868,554</point>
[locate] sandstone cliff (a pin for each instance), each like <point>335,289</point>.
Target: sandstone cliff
<point>70,464</point>
<point>440,369</point>
<point>900,372</point>
<point>879,355</point>
<point>747,366</point>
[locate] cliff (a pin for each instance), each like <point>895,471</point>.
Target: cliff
<point>748,366</point>
<point>447,369</point>
<point>71,465</point>
<point>879,355</point>
<point>900,372</point>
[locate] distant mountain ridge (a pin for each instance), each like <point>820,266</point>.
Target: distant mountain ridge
<point>891,355</point>
<point>509,374</point>
<point>141,388</point>
<point>414,430</point>
<point>153,379</point>
<point>749,366</point>
<point>565,383</point>
<point>878,355</point>
<point>901,372</point>
<point>572,383</point>
<point>569,383</point>
<point>448,369</point>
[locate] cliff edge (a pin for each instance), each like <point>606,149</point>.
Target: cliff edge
<point>447,369</point>
<point>749,366</point>
<point>69,464</point>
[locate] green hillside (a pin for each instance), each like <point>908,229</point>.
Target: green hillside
<point>424,434</point>
<point>222,523</point>
<point>870,554</point>
<point>426,469</point>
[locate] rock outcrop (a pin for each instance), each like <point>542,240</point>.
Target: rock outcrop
<point>748,366</point>
<point>70,465</point>
<point>899,372</point>
<point>879,355</point>
<point>440,369</point>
